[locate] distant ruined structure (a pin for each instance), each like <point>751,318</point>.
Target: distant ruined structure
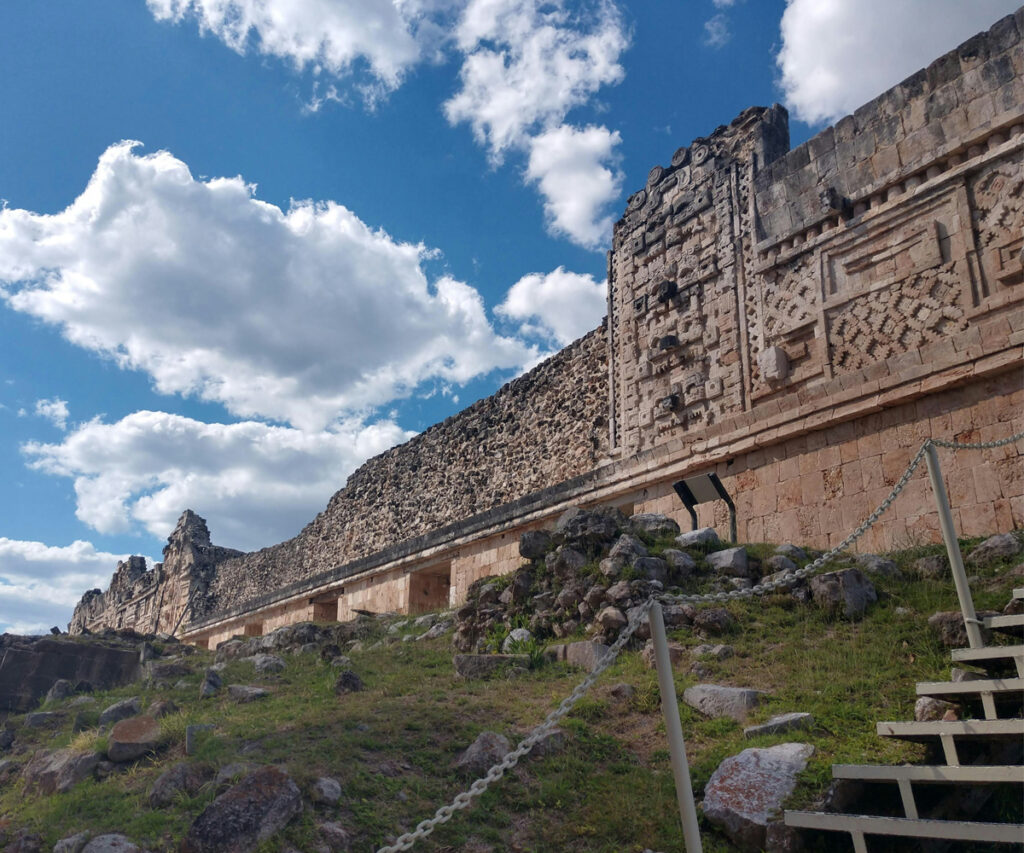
<point>797,321</point>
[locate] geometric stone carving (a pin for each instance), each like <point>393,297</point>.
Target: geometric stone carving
<point>773,364</point>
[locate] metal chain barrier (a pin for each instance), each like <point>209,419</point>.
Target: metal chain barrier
<point>465,799</point>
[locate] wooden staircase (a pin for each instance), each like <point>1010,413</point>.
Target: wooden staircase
<point>996,697</point>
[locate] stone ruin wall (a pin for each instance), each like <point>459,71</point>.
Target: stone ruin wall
<point>798,321</point>
<point>543,428</point>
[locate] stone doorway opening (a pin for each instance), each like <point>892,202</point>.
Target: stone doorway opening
<point>429,588</point>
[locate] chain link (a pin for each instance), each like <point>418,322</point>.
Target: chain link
<point>465,799</point>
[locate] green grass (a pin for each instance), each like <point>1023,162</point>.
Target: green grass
<point>393,745</point>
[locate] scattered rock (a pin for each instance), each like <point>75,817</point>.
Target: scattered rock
<point>245,693</point>
<point>718,651</point>
<point>781,723</point>
<point>231,773</point>
<point>872,564</point>
<point>267,663</point>
<point>652,569</point>
<point>748,790</point>
<point>1002,546</point>
<point>165,670</point>
<point>24,842</point>
<point>713,700</point>
<point>564,562</point>
<point>949,624</point>
<point>626,549</point>
<point>589,529</point>
<point>516,635</point>
<point>436,630</point>
<point>120,711</point>
<point>6,739</point>
<point>703,538</point>
<point>846,591</point>
<point>550,743</point>
<point>612,619</point>
<point>654,524</point>
<point>211,685</point>
<point>325,791</point>
<point>584,654</point>
<point>487,666</point>
<point>133,738</point>
<point>335,836</point>
<point>622,691</point>
<point>486,751</point>
<point>57,772</point>
<point>676,653</point>
<point>780,563</point>
<point>161,708</point>
<point>193,735</point>
<point>714,621</point>
<point>183,777</point>
<point>112,843</point>
<point>42,719</point>
<point>348,682</point>
<point>73,843</point>
<point>791,551</point>
<point>534,544</point>
<point>928,709</point>
<point>62,689</point>
<point>249,812</point>
<point>681,564</point>
<point>731,561</point>
<point>934,567</point>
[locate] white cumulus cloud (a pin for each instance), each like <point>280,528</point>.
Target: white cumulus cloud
<point>40,584</point>
<point>559,305</point>
<point>302,315</point>
<point>574,170</point>
<point>55,411</point>
<point>254,483</point>
<point>839,54</point>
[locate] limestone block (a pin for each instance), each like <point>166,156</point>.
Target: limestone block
<point>781,723</point>
<point>731,561</point>
<point>847,591</point>
<point>714,700</point>
<point>486,666</point>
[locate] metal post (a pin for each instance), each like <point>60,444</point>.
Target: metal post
<point>676,747</point>
<point>956,561</point>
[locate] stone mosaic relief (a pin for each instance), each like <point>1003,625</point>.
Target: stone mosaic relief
<point>997,202</point>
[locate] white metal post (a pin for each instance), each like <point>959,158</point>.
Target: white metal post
<point>676,747</point>
<point>956,561</point>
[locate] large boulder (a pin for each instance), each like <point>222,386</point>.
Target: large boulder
<point>847,592</point>
<point>703,538</point>
<point>57,772</point>
<point>626,549</point>
<point>239,819</point>
<point>748,790</point>
<point>486,751</point>
<point>714,700</point>
<point>588,530</point>
<point>133,738</point>
<point>534,544</point>
<point>730,561</point>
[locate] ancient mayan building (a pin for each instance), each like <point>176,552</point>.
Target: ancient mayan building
<point>797,321</point>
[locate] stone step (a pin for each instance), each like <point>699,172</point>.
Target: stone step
<point>1013,625</point>
<point>993,657</point>
<point>993,693</point>
<point>947,732</point>
<point>860,825</point>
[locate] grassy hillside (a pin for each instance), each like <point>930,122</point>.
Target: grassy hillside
<point>392,745</point>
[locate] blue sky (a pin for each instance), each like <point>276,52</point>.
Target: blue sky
<point>341,223</point>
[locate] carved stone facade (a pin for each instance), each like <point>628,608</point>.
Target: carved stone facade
<point>797,321</point>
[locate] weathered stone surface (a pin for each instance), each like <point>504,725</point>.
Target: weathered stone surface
<point>62,689</point>
<point>251,811</point>
<point>112,843</point>
<point>612,619</point>
<point>676,654</point>
<point>335,836</point>
<point>486,751</point>
<point>211,684</point>
<point>325,791</point>
<point>587,529</point>
<point>166,670</point>
<point>133,738</point>
<point>247,693</point>
<point>627,548</point>
<point>748,790</point>
<point>949,625</point>
<point>716,651</point>
<point>348,682</point>
<point>58,772</point>
<point>551,743</point>
<point>652,569</point>
<point>731,561</point>
<point>183,777</point>
<point>193,735</point>
<point>934,567</point>
<point>928,709</point>
<point>516,635</point>
<point>654,524</point>
<point>43,720</point>
<point>534,544</point>
<point>1002,546</point>
<point>714,621</point>
<point>704,538</point>
<point>773,364</point>
<point>791,551</point>
<point>120,710</point>
<point>584,654</point>
<point>267,663</point>
<point>780,563</point>
<point>565,561</point>
<point>789,722</point>
<point>73,843</point>
<point>623,692</point>
<point>681,564</point>
<point>872,564</point>
<point>161,708</point>
<point>487,666</point>
<point>847,592</point>
<point>714,700</point>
